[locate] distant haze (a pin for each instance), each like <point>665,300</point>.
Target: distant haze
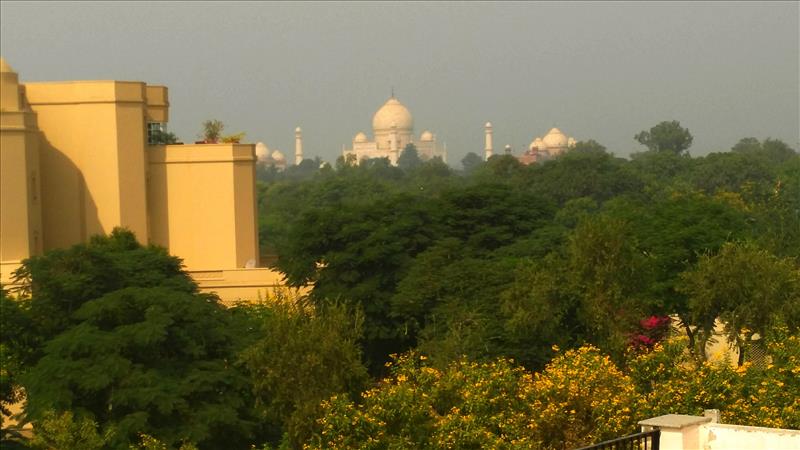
<point>602,71</point>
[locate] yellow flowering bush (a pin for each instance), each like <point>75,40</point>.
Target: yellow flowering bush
<point>770,396</point>
<point>670,381</point>
<point>581,397</point>
<point>467,405</point>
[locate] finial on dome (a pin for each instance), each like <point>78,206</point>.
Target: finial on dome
<point>392,91</point>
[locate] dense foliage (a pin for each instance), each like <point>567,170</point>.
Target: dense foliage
<point>502,306</point>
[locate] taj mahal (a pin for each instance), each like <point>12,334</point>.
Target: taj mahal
<point>393,130</point>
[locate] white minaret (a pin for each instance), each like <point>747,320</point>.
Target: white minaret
<point>298,146</point>
<point>489,150</point>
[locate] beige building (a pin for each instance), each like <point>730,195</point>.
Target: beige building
<point>393,129</point>
<point>75,161</point>
<point>548,146</point>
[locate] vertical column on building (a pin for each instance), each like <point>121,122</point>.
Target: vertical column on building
<point>20,174</point>
<point>488,150</point>
<point>298,146</point>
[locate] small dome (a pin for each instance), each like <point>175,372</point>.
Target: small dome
<point>537,144</point>
<point>297,130</point>
<point>488,125</point>
<point>278,156</point>
<point>555,138</point>
<point>571,142</point>
<point>360,137</point>
<point>392,113</point>
<point>262,152</point>
<point>426,136</point>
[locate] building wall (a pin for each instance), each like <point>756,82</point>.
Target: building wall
<point>233,285</point>
<point>684,432</point>
<point>729,437</point>
<point>202,203</point>
<point>20,175</point>
<point>157,104</point>
<point>92,158</point>
<point>75,162</point>
<point>370,149</point>
<point>383,138</point>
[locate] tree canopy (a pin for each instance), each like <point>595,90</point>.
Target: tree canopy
<point>667,136</point>
<point>503,305</point>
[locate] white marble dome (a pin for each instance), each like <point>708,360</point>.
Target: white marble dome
<point>277,155</point>
<point>262,152</point>
<point>555,139</point>
<point>426,136</point>
<point>537,144</point>
<point>391,114</point>
<point>360,137</point>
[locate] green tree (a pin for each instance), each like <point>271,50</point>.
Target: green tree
<point>305,170</point>
<point>302,357</point>
<point>667,136</point>
<point>150,360</point>
<point>602,176</point>
<point>409,158</point>
<point>748,289</point>
<point>18,346</point>
<point>58,283</point>
<point>500,167</point>
<point>661,171</point>
<point>777,151</point>
<point>671,233</point>
<point>747,145</point>
<point>471,162</point>
<point>588,146</point>
<point>772,150</point>
<point>447,301</point>
<point>135,347</point>
<point>358,252</point>
<point>65,431</point>
<point>731,172</point>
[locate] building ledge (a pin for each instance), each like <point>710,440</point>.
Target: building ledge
<point>674,421</point>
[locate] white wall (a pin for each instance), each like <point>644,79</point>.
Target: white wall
<point>716,436</point>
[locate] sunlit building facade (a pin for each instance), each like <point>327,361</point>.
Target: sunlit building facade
<point>77,160</point>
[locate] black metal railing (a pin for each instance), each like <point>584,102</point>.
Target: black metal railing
<point>647,440</point>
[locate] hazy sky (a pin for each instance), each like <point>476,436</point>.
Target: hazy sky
<point>602,71</point>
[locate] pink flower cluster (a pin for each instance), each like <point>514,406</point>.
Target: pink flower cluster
<point>652,330</point>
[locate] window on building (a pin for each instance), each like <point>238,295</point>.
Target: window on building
<point>155,131</point>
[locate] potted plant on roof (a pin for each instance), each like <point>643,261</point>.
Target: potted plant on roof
<point>212,130</point>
